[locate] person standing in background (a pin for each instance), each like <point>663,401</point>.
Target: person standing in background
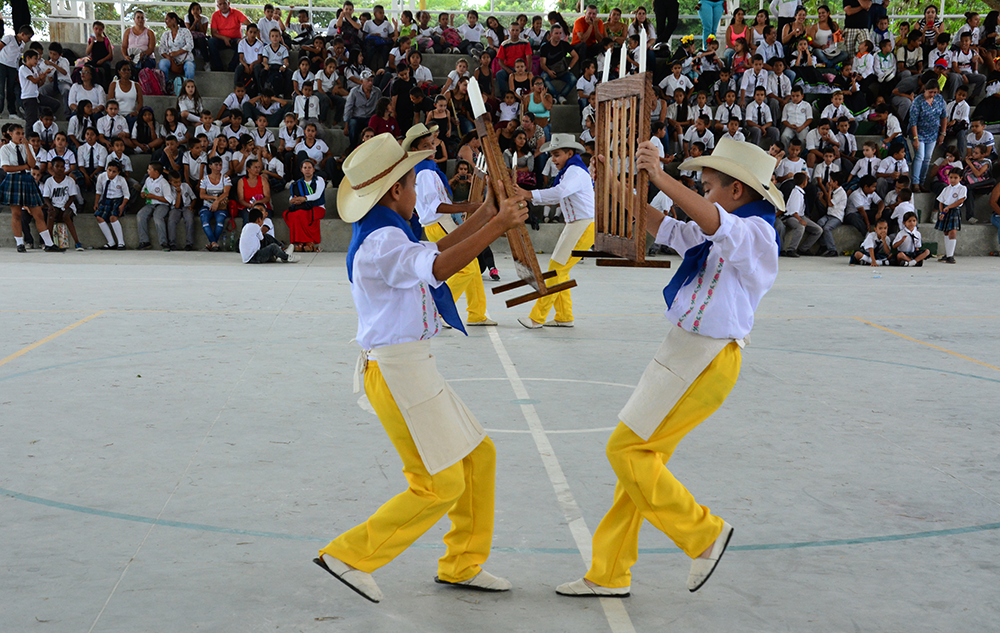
<point>666,20</point>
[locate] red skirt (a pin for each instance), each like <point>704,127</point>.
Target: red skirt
<point>303,225</point>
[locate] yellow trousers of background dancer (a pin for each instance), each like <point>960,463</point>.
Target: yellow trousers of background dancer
<point>562,301</point>
<point>469,280</point>
<point>646,490</point>
<point>465,491</point>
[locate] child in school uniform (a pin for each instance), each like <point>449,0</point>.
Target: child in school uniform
<point>957,112</point>
<point>90,160</point>
<point>909,244</point>
<point>866,166</point>
<point>902,205</point>
<point>110,204</point>
<point>847,145</point>
<point>19,190</point>
<point>834,199</point>
<point>46,128</point>
<point>154,191</point>
<point>449,460</point>
<point>180,196</point>
<point>891,168</point>
<point>949,220</point>
<point>978,178</point>
<point>864,206</point>
<point>62,198</point>
<point>798,233</point>
<point>875,249</point>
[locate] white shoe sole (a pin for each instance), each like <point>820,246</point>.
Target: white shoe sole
<point>528,323</point>
<point>483,581</point>
<point>703,568</point>
<point>478,323</point>
<point>580,589</point>
<point>360,582</point>
<point>558,324</point>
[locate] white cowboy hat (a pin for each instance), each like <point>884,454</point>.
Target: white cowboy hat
<point>415,132</point>
<point>370,171</point>
<point>562,141</point>
<point>745,162</point>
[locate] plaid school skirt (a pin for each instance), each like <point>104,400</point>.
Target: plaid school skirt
<point>108,207</point>
<point>20,189</point>
<point>952,221</point>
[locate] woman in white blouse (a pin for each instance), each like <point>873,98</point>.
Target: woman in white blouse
<point>87,90</point>
<point>175,48</point>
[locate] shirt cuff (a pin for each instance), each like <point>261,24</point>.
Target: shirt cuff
<point>535,198</point>
<point>726,220</point>
<point>425,264</point>
<point>665,229</point>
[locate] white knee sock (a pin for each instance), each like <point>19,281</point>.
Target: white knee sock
<point>46,238</point>
<point>949,246</point>
<point>117,227</point>
<point>107,233</point>
<point>865,259</point>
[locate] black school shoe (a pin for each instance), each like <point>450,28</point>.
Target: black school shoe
<point>143,246</point>
<point>830,254</point>
<point>189,247</point>
<point>21,248</point>
<point>789,254</point>
<point>949,260</point>
<point>54,249</point>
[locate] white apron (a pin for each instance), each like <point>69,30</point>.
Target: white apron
<point>568,239</point>
<point>447,223</point>
<point>682,357</point>
<point>443,429</point>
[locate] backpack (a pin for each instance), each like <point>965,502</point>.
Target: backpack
<point>451,36</point>
<point>152,82</point>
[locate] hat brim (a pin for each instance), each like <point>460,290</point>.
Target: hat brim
<point>353,205</point>
<point>731,168</point>
<point>408,141</point>
<point>573,146</point>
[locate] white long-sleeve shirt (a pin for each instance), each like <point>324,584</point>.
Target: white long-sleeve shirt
<point>783,8</point>
<point>431,193</point>
<point>741,267</point>
<point>392,277</point>
<point>574,194</point>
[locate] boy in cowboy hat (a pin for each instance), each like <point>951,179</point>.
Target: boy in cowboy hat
<point>573,191</point>
<point>730,262</point>
<point>398,288</point>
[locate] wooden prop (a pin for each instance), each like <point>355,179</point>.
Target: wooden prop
<point>477,190</point>
<point>525,261</point>
<point>624,113</point>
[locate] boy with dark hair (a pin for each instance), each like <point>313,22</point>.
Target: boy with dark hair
<point>909,244</point>
<point>62,197</point>
<point>875,249</point>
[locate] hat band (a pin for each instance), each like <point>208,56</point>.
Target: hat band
<point>380,175</point>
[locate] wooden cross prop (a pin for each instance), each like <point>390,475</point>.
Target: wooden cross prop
<point>499,175</point>
<point>624,114</point>
<point>477,190</point>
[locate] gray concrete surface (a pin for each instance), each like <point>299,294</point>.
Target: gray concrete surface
<point>174,463</point>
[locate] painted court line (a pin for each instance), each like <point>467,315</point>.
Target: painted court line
<point>931,345</point>
<point>48,338</point>
<point>614,610</point>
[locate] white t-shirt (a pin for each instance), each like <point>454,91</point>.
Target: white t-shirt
<point>95,95</point>
<point>29,89</point>
<point>860,200</point>
<point>662,202</point>
<point>316,152</point>
<point>873,242</point>
<point>587,86</point>
<point>292,138</point>
<point>62,193</point>
<point>274,57</point>
<point>384,30</point>
<point>195,164</point>
<point>972,141</point>
<point>10,55</point>
<point>157,187</point>
<point>471,33</point>
<point>693,136</point>
<point>250,52</point>
<point>211,133</point>
<point>67,156</point>
<point>264,26</point>
<point>250,239</point>
<point>790,167</point>
<point>214,190</point>
<point>234,103</point>
<point>261,140</point>
<point>671,83</point>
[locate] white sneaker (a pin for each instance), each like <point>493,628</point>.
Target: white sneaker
<point>483,581</point>
<point>528,323</point>
<point>911,263</point>
<point>359,581</point>
<point>972,220</point>
<point>581,589</point>
<point>290,249</point>
<point>554,323</point>
<point>483,322</point>
<point>562,100</point>
<point>702,568</point>
<point>293,259</point>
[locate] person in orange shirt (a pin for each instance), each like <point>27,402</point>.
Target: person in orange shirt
<point>226,26</point>
<point>588,31</point>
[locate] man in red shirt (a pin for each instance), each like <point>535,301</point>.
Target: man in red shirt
<point>510,51</point>
<point>226,32</point>
<point>588,31</point>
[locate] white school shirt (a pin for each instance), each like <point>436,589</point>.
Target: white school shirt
<point>431,194</point>
<point>250,238</point>
<point>111,127</point>
<point>67,156</point>
<point>214,190</point>
<point>157,186</point>
<point>858,200</point>
<point>229,132</point>
<point>758,113</point>
<point>264,26</point>
<point>952,194</point>
<point>75,128</point>
<point>658,144</point>
<point>864,66</point>
<point>187,195</point>
<point>300,107</point>
<point>291,139</point>
<point>422,75</point>
<point>8,155</point>
<point>392,278</point>
<point>494,40</point>
<point>396,57</point>
<point>211,133</point>
<point>890,164</point>
<point>233,103</point>
<point>29,89</point>
<point>662,202</point>
<point>751,81</point>
<point>47,134</point>
<point>873,242</point>
<point>833,112</point>
<point>262,140</point>
<point>788,166</point>
<point>695,111</point>
<point>326,84</point>
<point>935,55</point>
<point>259,108</point>
<point>692,136</point>
<point>796,203</point>
<point>116,189</point>
<point>966,28</point>
<point>972,141</point>
<point>727,112</point>
<point>189,105</point>
<point>814,139</point>
<point>274,57</point>
<point>964,60</point>
<point>537,39</point>
<point>912,240</point>
<point>797,113</point>
<point>10,54</point>
<point>86,151</point>
<point>902,209</point>
<point>892,126</point>
<point>65,194</point>
<point>180,132</point>
<point>384,30</point>
<point>823,172</point>
<point>455,77</point>
<point>297,76</point>
<point>779,85</point>
<point>741,267</point>
<point>958,111</point>
<point>508,112</point>
<point>671,83</point>
<point>276,166</point>
<point>674,112</point>
<point>316,152</point>
<point>848,143</point>
<point>866,167</point>
<point>735,137</point>
<point>587,86</point>
<point>63,63</point>
<point>125,161</point>
<point>574,194</point>
<point>195,164</point>
<point>838,203</point>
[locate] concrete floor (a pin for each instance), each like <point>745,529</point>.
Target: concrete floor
<point>174,463</point>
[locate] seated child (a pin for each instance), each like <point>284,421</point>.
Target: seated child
<point>181,198</point>
<point>62,197</point>
<point>909,245</point>
<point>833,197</point>
<point>875,250</point>
<point>250,243</point>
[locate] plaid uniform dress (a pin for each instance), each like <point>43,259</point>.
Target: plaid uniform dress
<point>108,207</point>
<point>19,188</point>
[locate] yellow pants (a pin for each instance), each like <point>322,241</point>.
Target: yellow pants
<point>465,491</point>
<point>562,301</point>
<point>469,280</point>
<point>647,490</point>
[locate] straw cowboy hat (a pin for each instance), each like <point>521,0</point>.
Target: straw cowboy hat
<point>743,161</point>
<point>370,171</point>
<point>562,141</point>
<point>417,132</point>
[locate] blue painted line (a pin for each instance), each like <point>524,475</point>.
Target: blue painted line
<point>507,550</point>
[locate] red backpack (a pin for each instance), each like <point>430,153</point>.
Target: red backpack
<point>152,81</point>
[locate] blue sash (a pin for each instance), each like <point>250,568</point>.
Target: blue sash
<point>574,160</point>
<point>696,256</point>
<point>381,217</point>
<point>426,164</point>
